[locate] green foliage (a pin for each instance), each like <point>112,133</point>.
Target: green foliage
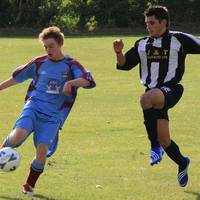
<point>65,22</point>
<point>111,13</point>
<point>48,12</point>
<point>92,24</point>
<point>74,15</point>
<point>103,11</point>
<point>5,16</point>
<point>79,9</point>
<point>136,11</point>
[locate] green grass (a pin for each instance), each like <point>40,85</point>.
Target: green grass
<point>104,140</point>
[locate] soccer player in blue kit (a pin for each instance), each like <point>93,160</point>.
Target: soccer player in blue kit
<point>50,97</point>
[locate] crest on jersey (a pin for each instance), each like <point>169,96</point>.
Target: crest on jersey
<point>53,87</point>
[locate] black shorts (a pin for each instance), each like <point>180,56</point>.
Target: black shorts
<point>172,96</point>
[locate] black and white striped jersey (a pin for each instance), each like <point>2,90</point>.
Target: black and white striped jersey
<point>162,60</point>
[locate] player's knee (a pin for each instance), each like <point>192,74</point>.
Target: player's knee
<point>7,143</point>
<point>17,136</point>
<point>152,98</point>
<point>145,101</point>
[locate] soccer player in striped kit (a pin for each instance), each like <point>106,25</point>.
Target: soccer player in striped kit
<point>50,97</point>
<point>161,57</point>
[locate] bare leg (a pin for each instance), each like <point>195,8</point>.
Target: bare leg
<point>163,133</point>
<point>15,137</point>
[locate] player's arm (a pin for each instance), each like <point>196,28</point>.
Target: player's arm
<point>24,72</point>
<point>128,60</point>
<point>118,46</point>
<point>19,75</point>
<point>79,82</point>
<point>7,83</point>
<point>81,78</point>
<point>190,43</point>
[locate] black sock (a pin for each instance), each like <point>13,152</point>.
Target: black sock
<point>150,121</point>
<point>174,153</point>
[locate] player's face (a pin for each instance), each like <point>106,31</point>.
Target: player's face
<point>53,49</point>
<point>154,27</point>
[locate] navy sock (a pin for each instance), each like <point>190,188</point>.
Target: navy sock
<point>150,121</point>
<point>36,170</point>
<point>174,153</point>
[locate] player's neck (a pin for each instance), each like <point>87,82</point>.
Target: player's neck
<point>57,58</point>
<point>162,33</point>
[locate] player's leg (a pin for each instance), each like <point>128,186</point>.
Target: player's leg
<point>149,101</point>
<point>172,96</point>
<point>44,136</point>
<point>172,150</point>
<point>36,169</point>
<point>15,138</point>
<point>22,128</point>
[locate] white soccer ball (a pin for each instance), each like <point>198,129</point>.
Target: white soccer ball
<point>9,159</point>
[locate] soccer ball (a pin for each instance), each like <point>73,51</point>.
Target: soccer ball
<point>9,159</point>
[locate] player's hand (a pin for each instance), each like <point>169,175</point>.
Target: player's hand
<point>118,45</point>
<point>67,89</point>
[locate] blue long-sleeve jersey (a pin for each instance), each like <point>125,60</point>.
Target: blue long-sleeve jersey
<point>48,78</point>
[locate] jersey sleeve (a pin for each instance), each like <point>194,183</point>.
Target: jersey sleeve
<point>79,71</point>
<point>24,72</point>
<point>190,43</point>
<point>132,58</point>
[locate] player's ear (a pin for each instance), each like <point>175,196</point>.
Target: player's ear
<point>164,22</point>
<point>60,44</point>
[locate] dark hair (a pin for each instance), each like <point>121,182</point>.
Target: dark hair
<point>160,13</point>
<point>52,32</point>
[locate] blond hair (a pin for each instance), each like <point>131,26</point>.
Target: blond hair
<point>52,32</point>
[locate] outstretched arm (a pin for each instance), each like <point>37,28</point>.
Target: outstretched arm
<point>79,82</point>
<point>7,83</point>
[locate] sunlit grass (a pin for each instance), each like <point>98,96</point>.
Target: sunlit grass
<point>104,141</point>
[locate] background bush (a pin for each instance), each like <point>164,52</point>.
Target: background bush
<point>90,15</point>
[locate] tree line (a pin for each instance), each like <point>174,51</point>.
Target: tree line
<point>90,15</point>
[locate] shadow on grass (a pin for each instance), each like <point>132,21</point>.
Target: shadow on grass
<point>9,198</point>
<point>42,197</point>
<point>197,194</point>
<point>38,196</point>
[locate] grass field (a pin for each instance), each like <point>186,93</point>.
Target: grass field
<point>104,141</point>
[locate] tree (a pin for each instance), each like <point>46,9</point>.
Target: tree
<point>73,15</point>
<point>5,18</point>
